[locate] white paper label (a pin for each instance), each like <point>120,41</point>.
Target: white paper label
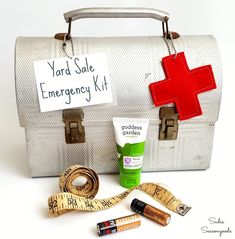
<point>64,83</point>
<point>130,162</point>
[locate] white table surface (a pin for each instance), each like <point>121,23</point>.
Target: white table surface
<point>23,200</point>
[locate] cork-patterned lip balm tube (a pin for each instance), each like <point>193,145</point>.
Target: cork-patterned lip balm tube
<point>150,212</point>
<point>118,224</point>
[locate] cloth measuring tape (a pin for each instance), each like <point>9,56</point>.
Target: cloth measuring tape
<point>81,197</point>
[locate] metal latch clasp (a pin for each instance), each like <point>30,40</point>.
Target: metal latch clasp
<point>168,129</point>
<point>74,131</point>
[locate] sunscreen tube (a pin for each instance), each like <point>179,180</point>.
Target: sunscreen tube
<point>130,140</point>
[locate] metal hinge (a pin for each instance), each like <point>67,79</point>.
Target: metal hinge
<point>168,129</point>
<point>74,131</point>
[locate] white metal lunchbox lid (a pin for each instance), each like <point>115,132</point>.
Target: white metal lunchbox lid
<point>134,63</point>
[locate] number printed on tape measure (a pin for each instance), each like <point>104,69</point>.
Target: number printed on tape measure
<point>72,201</point>
<point>52,204</point>
<point>89,205</point>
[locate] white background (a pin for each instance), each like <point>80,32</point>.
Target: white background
<point>23,200</point>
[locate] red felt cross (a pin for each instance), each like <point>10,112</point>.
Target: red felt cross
<point>182,85</point>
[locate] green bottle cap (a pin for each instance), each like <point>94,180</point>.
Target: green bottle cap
<point>130,180</point>
<point>130,174</point>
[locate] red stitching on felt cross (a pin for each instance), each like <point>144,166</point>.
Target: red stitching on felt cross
<point>182,85</point>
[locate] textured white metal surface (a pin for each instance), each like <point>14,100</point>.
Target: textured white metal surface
<point>134,62</point>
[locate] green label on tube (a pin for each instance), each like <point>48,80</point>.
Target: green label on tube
<point>130,163</point>
<point>130,136</point>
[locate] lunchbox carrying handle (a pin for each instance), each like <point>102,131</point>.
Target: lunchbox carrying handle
<point>117,13</point>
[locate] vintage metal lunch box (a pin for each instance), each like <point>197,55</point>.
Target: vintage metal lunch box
<point>85,135</point>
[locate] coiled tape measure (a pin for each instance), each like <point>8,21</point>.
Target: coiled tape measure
<point>82,197</point>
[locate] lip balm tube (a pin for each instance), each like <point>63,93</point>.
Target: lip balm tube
<point>130,136</point>
<point>150,212</point>
<point>118,224</point>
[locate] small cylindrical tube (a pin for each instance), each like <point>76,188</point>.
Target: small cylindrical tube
<point>118,224</point>
<point>150,212</point>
